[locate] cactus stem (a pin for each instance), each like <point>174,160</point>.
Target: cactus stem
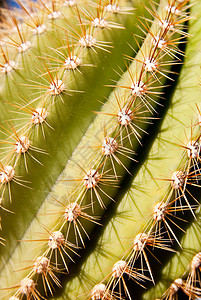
<point>140,87</point>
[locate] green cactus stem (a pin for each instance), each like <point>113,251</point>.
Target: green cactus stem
<point>90,137</point>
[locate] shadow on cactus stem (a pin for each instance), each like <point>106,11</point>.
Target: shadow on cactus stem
<point>126,183</point>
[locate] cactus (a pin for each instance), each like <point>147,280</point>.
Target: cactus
<point>100,150</point>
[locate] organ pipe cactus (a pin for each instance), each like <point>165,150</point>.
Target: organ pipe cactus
<point>100,150</point>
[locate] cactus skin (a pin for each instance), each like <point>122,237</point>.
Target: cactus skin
<point>179,264</point>
<point>22,196</point>
<point>64,122</point>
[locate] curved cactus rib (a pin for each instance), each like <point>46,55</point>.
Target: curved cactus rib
<point>61,118</point>
<point>108,239</point>
<point>180,265</point>
<point>135,92</point>
<point>25,195</point>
